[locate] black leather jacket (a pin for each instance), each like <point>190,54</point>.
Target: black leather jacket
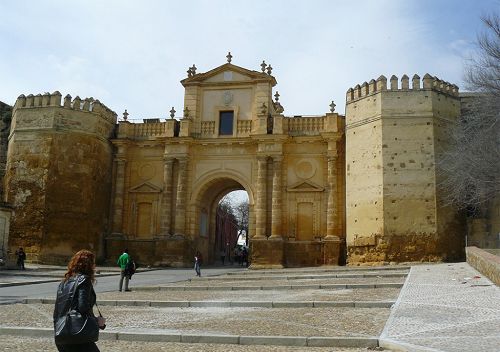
<point>84,296</point>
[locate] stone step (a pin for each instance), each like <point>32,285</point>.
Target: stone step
<point>320,270</point>
<point>302,341</point>
<point>276,287</point>
<point>230,304</point>
<point>300,277</point>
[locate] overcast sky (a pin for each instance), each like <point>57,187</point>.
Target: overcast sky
<point>132,54</point>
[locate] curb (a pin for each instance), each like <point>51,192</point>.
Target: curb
<point>301,341</point>
<point>231,304</point>
<point>257,288</point>
<point>23,283</point>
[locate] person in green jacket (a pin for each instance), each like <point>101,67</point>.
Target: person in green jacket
<point>122,263</point>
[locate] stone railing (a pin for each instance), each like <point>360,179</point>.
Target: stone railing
<point>244,127</point>
<point>207,128</point>
<point>304,125</point>
<point>150,129</point>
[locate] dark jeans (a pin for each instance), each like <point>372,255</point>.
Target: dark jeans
<point>86,347</point>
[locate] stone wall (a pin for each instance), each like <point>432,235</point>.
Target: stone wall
<point>58,176</point>
<point>486,263</point>
<point>393,140</point>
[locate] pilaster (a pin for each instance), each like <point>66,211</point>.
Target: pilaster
<point>276,220</point>
<point>180,211</point>
<point>166,202</point>
<point>260,206</point>
<point>332,211</point>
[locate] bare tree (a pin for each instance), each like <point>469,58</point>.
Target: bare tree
<point>242,214</point>
<point>471,164</point>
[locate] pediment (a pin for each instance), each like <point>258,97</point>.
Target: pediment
<point>228,73</point>
<point>305,186</point>
<point>145,187</point>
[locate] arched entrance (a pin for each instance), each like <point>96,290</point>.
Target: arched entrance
<point>205,201</point>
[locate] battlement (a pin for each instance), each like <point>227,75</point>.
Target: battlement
<point>55,100</point>
<point>427,83</point>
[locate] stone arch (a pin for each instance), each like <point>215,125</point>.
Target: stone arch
<point>205,197</point>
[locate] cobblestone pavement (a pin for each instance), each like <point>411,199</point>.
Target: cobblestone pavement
<point>367,294</point>
<point>446,307</point>
<point>228,321</point>
<point>21,344</point>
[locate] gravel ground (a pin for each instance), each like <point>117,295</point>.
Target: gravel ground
<point>371,280</point>
<point>235,321</point>
<point>21,344</point>
<point>368,294</point>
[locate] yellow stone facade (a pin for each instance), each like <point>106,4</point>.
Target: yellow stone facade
<point>322,190</point>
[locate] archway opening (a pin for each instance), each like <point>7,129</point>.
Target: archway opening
<point>231,229</point>
<point>223,221</point>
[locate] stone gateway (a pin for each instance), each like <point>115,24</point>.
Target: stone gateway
<point>322,190</point>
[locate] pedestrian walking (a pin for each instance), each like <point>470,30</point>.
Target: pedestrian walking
<point>222,256</point>
<point>76,328</point>
<point>21,257</point>
<point>122,262</point>
<point>197,263</point>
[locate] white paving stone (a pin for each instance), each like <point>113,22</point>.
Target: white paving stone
<point>446,307</point>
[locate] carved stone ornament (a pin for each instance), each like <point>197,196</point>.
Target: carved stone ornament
<point>227,97</point>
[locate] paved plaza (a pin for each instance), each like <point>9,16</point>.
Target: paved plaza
<point>440,307</point>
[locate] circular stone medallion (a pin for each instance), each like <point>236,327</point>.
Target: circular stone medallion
<point>305,169</point>
<point>146,171</point>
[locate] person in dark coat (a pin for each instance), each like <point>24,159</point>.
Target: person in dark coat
<point>21,257</point>
<point>81,271</point>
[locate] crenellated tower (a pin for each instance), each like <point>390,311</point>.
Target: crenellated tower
<point>394,139</point>
<point>58,175</point>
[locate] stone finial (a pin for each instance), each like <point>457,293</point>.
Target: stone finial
<point>263,108</point>
<point>276,96</point>
<point>229,57</point>
<point>125,115</point>
<point>332,106</point>
<point>172,113</point>
<point>269,70</point>
<point>186,112</point>
<point>263,66</point>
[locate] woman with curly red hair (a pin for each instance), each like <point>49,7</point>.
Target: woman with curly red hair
<point>74,305</point>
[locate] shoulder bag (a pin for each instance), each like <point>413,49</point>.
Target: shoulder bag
<point>75,328</point>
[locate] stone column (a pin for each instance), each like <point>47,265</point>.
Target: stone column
<point>166,200</point>
<point>119,195</point>
<point>332,241</point>
<point>260,204</point>
<point>276,201</point>
<point>332,212</point>
<point>180,211</point>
